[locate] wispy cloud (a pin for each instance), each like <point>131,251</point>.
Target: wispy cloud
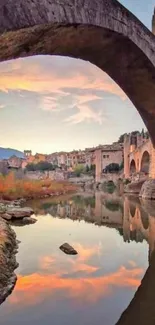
<point>61,85</point>
<point>86,113</point>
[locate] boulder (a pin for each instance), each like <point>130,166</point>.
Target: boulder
<point>134,187</point>
<point>148,190</point>
<point>28,221</point>
<point>67,249</point>
<point>22,222</point>
<point>6,216</point>
<point>17,212</point>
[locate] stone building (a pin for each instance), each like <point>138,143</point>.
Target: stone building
<point>106,155</point>
<point>14,162</point>
<point>27,153</point>
<point>34,159</point>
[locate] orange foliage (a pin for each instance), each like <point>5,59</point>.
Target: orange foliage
<point>12,188</point>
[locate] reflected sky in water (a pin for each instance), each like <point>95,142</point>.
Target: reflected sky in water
<point>113,237</point>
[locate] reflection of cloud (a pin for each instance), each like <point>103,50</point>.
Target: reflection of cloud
<point>32,289</point>
<point>80,263</point>
<point>132,263</point>
<point>75,278</point>
<point>73,84</point>
<point>46,262</point>
<point>85,253</point>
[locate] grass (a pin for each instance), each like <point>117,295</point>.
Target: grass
<point>12,188</point>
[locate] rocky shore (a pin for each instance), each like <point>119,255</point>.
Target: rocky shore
<point>8,250</point>
<point>12,211</point>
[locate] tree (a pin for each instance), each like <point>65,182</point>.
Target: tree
<point>40,166</point>
<point>121,138</point>
<point>121,166</point>
<point>92,167</point>
<point>112,168</point>
<point>87,169</point>
<point>78,170</point>
<point>143,133</point>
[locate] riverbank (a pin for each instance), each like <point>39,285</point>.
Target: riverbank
<point>8,250</point>
<point>14,194</point>
<point>15,189</point>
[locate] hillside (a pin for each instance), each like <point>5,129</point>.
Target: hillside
<point>6,153</point>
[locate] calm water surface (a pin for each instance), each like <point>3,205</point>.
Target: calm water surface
<point>114,237</point>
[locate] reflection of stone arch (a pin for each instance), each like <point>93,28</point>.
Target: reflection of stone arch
<point>132,210</point>
<point>132,166</point>
<point>144,218</point>
<point>145,162</point>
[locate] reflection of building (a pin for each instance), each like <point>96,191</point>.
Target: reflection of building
<point>134,221</point>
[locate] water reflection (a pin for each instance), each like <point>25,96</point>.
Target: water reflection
<point>108,269</point>
<point>132,217</point>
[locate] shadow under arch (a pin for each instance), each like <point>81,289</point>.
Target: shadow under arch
<point>132,167</point>
<point>132,210</point>
<point>93,32</point>
<point>144,217</point>
<point>145,162</point>
<point>141,309</point>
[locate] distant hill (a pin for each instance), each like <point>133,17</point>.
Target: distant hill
<point>6,153</point>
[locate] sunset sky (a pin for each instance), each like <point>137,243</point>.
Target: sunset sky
<point>50,104</point>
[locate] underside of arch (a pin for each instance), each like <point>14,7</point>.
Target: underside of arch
<point>112,52</point>
<point>145,162</point>
<point>132,167</point>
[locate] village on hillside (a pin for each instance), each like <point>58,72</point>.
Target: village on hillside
<point>96,162</point>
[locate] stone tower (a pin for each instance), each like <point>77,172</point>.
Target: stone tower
<point>153,23</point>
<point>27,153</point>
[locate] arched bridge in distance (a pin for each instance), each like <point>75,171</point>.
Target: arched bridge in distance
<point>109,36</point>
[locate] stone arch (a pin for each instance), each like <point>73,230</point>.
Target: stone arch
<point>132,167</point>
<point>97,31</point>
<point>145,162</point>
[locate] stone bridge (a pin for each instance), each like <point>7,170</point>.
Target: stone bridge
<point>100,31</point>
<point>138,157</point>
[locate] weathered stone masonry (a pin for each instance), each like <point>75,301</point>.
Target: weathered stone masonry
<point>100,31</point>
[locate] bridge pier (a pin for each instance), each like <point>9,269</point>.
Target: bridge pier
<point>148,188</point>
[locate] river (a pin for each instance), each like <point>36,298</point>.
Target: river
<point>114,237</point>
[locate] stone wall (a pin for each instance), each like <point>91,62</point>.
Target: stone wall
<point>109,157</point>
<point>111,177</point>
<point>95,31</point>
<point>53,175</point>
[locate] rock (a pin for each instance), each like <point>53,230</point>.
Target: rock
<point>17,212</point>
<point>28,220</point>
<point>134,187</point>
<point>8,262</point>
<point>22,222</point>
<point>67,249</point>
<point>6,216</point>
<point>148,190</point>
<point>2,208</point>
